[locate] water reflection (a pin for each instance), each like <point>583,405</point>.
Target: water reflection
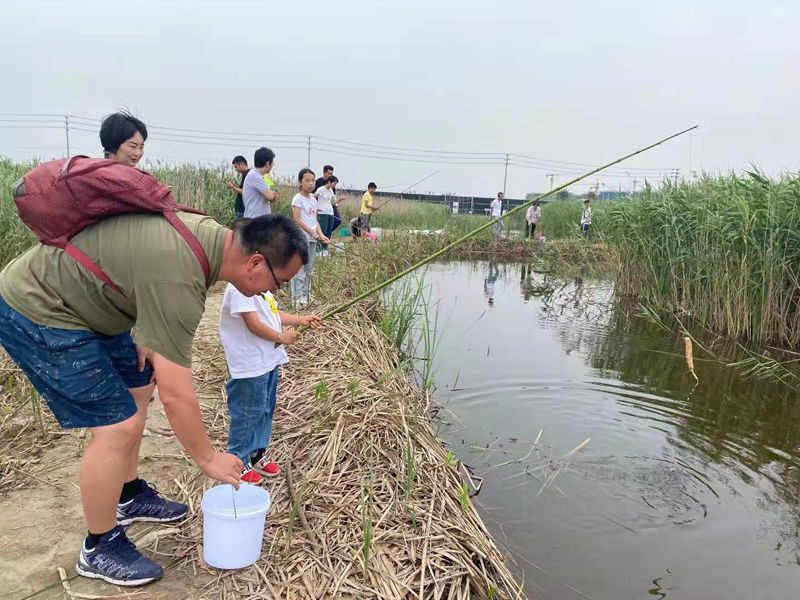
<point>489,283</point>
<point>696,487</point>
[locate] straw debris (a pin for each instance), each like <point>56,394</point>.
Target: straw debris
<point>369,505</point>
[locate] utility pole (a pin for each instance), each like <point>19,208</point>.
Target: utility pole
<point>309,152</point>
<point>505,177</point>
<point>633,189</point>
<point>675,174</point>
<point>66,131</point>
<point>551,175</point>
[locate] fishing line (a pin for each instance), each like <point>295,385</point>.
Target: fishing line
<point>408,188</point>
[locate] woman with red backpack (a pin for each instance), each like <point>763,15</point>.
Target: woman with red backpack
<point>123,137</point>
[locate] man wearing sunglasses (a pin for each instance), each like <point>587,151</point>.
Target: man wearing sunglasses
<point>70,334</point>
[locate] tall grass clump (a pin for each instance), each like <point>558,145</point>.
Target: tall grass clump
<point>725,250</point>
<point>16,238</point>
<point>400,309</point>
<point>560,219</point>
<point>204,188</point>
<point>200,187</point>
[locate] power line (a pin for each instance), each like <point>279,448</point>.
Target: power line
<point>59,115</point>
<point>390,154</point>
<point>206,137</point>
<point>159,138</point>
<point>32,127</point>
<point>335,150</point>
<point>575,164</point>
<point>566,169</point>
<point>231,133</point>
<point>571,172</point>
<point>53,120</point>
<point>412,150</point>
<point>328,144</point>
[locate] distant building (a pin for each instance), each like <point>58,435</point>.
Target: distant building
<point>611,195</point>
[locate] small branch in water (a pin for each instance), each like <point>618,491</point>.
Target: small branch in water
<point>472,479</point>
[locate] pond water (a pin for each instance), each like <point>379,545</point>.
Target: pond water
<point>685,491</point>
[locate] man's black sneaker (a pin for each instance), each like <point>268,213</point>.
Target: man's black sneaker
<point>116,560</point>
<point>149,505</point>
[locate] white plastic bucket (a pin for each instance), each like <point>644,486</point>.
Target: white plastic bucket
<point>232,538</point>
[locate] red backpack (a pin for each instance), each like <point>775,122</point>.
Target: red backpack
<point>60,198</point>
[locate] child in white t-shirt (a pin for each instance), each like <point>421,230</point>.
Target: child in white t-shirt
<point>252,335</point>
<point>304,209</point>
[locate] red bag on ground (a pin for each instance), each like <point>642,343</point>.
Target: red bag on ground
<point>58,199</point>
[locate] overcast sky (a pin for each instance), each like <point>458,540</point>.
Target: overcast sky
<point>580,82</point>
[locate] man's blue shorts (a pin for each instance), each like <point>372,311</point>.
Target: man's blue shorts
<point>83,376</point>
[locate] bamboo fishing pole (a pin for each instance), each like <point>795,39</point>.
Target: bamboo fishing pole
<point>486,226</point>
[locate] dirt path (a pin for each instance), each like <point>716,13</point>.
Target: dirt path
<point>42,525</point>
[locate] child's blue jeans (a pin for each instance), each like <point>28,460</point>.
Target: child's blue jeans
<point>251,404</point>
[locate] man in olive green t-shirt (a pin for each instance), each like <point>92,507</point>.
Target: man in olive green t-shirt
<point>70,334</point>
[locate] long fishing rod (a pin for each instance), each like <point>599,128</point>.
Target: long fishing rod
<point>405,190</point>
<point>486,226</point>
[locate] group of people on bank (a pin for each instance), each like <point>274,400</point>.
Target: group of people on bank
<point>532,216</point>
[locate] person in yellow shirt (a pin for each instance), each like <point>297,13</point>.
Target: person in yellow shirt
<point>270,182</point>
<point>367,208</point>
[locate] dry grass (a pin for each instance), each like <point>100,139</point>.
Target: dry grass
<point>27,428</point>
<point>369,505</point>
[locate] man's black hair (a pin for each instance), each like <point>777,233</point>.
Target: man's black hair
<point>239,159</point>
<point>327,168</point>
<point>263,156</point>
<point>372,186</point>
<point>119,127</point>
<point>276,237</point>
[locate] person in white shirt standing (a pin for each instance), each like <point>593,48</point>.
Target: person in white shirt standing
<point>251,329</point>
<point>495,211</point>
<point>326,200</point>
<point>586,218</point>
<point>304,208</point>
<point>256,194</point>
<point>532,218</point>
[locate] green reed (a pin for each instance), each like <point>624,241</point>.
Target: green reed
<point>724,251</point>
